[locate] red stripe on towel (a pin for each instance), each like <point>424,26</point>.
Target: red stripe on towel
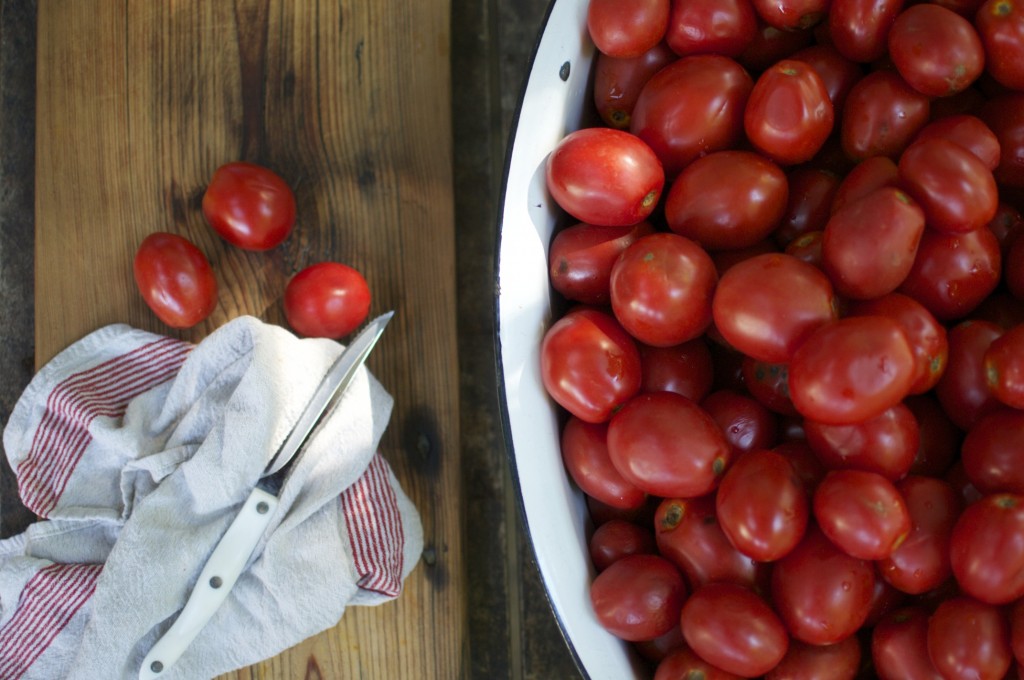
<point>49,601</point>
<point>374,525</point>
<point>103,390</point>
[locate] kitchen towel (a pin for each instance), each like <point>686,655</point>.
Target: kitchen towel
<point>136,450</point>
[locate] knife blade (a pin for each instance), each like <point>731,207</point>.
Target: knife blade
<point>232,552</point>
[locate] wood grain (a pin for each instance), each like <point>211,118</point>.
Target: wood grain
<point>139,102</point>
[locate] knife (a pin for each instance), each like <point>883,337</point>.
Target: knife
<point>229,557</point>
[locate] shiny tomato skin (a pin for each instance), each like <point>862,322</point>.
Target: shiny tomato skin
<point>862,513</point>
<point>839,661</point>
<point>605,177</point>
<point>638,597</point>
<point>686,369</point>
<point>661,289</point>
<point>762,506</point>
<point>789,114</point>
<point>811,192</point>
<point>987,548</point>
<point>1004,367</point>
<point>250,206</point>
<point>822,594</point>
<point>668,445</point>
<point>734,629</point>
<point>767,306</point>
<point>791,15</point>
<point>685,663</point>
<point>936,50</point>
<point>589,364</point>
<point>963,389</point>
<point>722,27</point>
<point>692,107</point>
<point>868,247</point>
<point>769,384</point>
<point>618,538</point>
<point>886,443</point>
<point>967,131</point>
<point>1004,115</point>
<point>727,215</point>
<point>881,116</point>
<point>627,29</point>
<point>618,82</point>
<point>851,370</point>
<point>837,72</point>
<point>581,259</point>
<point>899,646</point>
<point>585,454</point>
<point>969,639</point>
<point>747,423</point>
<point>1000,25</point>
<point>991,452</point>
<point>865,177</point>
<point>859,28</point>
<point>326,300</point>
<point>175,279</point>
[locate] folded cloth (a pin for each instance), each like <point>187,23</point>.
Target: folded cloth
<point>136,451</point>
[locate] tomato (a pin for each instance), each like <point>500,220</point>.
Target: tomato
<point>967,131</point>
<point>1004,367</point>
<point>684,663</point>
<point>987,548</point>
<point>767,306</point>
<point>868,247</point>
<point>581,259</point>
<point>862,513</point>
<point>326,300</point>
<point>807,248</point>
<point>661,289</point>
<point>963,389</point>
<point>658,649</point>
<point>1007,225</point>
<point>249,206</point>
<point>808,468</point>
<point>899,646</point>
<point>851,370</point>
<point>991,452</point>
<point>589,364</point>
<point>627,29</point>
<point>769,384</point>
<point>885,444</point>
<point>864,178</point>
<point>957,477</point>
<point>727,215</point>
<point>722,27</point>
<point>638,597</point>
<point>790,15</point>
<point>746,422</point>
<point>969,639</point>
<point>688,533</point>
<point>618,538</point>
<point>685,368</point>
<point>939,437</point>
<point>725,259</point>
<point>668,446</point>
<point>881,116</point>
<point>838,73</point>
<point>692,107</point>
<point>839,661</point>
<point>822,594</point>
<point>599,512</point>
<point>175,279</point>
<point>811,192</point>
<point>618,81</point>
<point>1000,25</point>
<point>936,50</point>
<point>734,629</point>
<point>605,177</point>
<point>921,562</point>
<point>859,28</point>
<point>771,44</point>
<point>585,454</point>
<point>789,114</point>
<point>762,506</point>
<point>954,273</point>
<point>1004,115</point>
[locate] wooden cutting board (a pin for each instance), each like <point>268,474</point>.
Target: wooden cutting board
<point>138,102</point>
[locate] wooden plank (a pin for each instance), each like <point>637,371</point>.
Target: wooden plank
<point>139,102</point>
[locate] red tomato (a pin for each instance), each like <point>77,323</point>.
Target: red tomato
<point>769,384</point>
<point>939,436</point>
<point>969,639</point>
<point>692,107</point>
<point>789,114</point>
<point>589,364</point>
<point>864,178</point>
<point>936,50</point>
<point>859,28</point>
<point>987,548</point>
<point>1000,25</point>
<point>668,446</point>
<point>618,538</point>
<point>811,192</point>
<point>851,370</point>
<point>684,663</point>
<point>1007,225</point>
<point>661,288</point>
<point>963,389</point>
<point>840,661</point>
<point>1004,115</point>
<point>805,464</point>
<point>175,279</point>
<point>605,177</point>
<point>966,131</point>
<point>767,306</point>
<point>734,629</point>
<point>881,116</point>
<point>837,72</point>
<point>250,206</point>
<point>822,594</point>
<point>326,300</point>
<point>618,81</point>
<point>722,27</point>
<point>862,513</point>
<point>585,454</point>
<point>991,452</point>
<point>762,506</point>
<point>661,647</point>
<point>899,646</point>
<point>789,15</point>
<point>688,533</point>
<point>627,29</point>
<point>727,215</point>
<point>746,422</point>
<point>581,259</point>
<point>772,44</point>
<point>807,248</point>
<point>885,444</point>
<point>1004,367</point>
<point>638,597</point>
<point>686,369</point>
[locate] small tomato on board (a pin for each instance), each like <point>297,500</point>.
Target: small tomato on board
<point>326,300</point>
<point>250,206</point>
<point>175,279</point>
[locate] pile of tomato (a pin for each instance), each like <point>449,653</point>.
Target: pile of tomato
<point>791,354</point>
<point>251,207</point>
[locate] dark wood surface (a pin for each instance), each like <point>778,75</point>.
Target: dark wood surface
<point>511,632</point>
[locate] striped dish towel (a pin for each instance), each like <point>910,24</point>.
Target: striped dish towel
<point>135,450</point>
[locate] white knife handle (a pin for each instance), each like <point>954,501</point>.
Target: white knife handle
<point>215,582</point>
